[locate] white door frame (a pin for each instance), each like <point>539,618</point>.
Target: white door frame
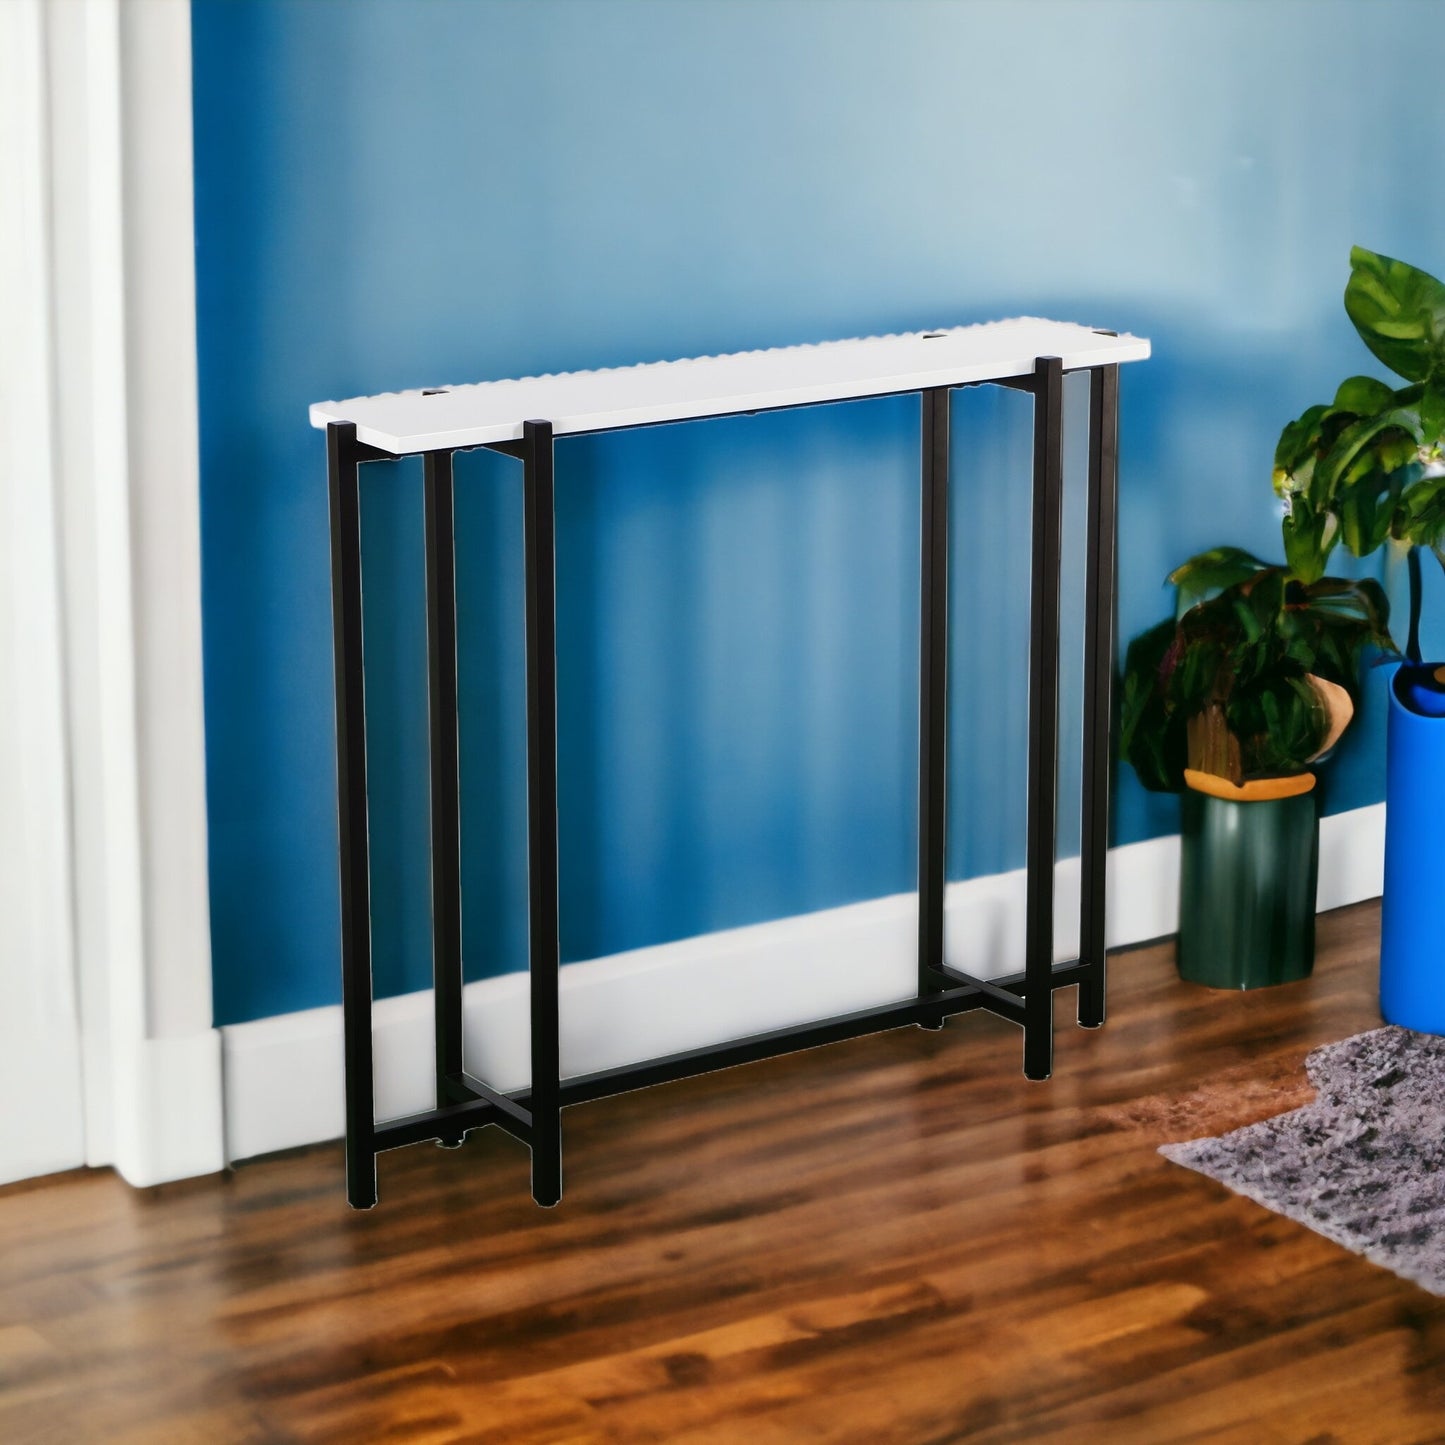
<point>116,282</point>
<point>41,1113</point>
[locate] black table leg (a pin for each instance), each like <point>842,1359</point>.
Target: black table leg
<point>538,526</point>
<point>343,474</point>
<point>1099,589</point>
<point>441,628</point>
<point>1043,716</point>
<point>933,696</point>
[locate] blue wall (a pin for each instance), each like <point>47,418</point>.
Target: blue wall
<point>396,193</point>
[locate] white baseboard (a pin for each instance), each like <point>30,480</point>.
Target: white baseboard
<point>169,1111</point>
<point>1352,857</point>
<point>283,1074</point>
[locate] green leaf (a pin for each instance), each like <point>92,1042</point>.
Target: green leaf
<point>1374,443</point>
<point>1212,571</point>
<point>1309,538</point>
<point>1301,446</point>
<point>1265,598</point>
<point>1343,617</point>
<point>1397,449</point>
<point>1297,444</point>
<point>1280,723</point>
<point>1432,416</point>
<point>1358,517</point>
<point>1422,519</point>
<point>1364,396</point>
<point>1399,312</point>
<point>1193,681</point>
<point>1150,737</point>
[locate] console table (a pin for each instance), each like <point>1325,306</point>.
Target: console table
<point>520,419</point>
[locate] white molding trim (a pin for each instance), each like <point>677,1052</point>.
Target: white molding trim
<point>1352,857</point>
<point>169,1122</point>
<point>283,1074</point>
<point>165,1054</point>
<point>118,285</point>
<point>40,1056</point>
<point>163,453</point>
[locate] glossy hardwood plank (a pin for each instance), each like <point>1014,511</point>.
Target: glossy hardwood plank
<point>892,1239</point>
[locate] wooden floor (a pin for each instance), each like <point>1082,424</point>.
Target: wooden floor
<point>893,1239</point>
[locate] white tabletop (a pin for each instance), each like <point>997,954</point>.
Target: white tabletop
<point>402,422</point>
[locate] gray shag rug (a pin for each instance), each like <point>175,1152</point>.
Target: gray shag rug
<point>1364,1164</point>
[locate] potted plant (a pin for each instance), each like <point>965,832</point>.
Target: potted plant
<point>1230,703</point>
<point>1368,470</point>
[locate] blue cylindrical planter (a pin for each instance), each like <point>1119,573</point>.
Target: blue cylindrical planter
<point>1412,968</point>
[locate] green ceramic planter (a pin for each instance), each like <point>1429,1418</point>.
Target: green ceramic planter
<point>1247,890</point>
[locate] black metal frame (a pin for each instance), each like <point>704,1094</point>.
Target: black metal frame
<point>533,1115</point>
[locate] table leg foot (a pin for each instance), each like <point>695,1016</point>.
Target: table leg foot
<point>546,1183</point>
<point>361,1186</point>
<point>1038,1051</point>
